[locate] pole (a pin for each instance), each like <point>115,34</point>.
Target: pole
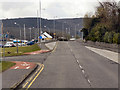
<point>24,33</point>
<point>40,23</point>
<point>17,46</point>
<point>38,27</point>
<point>75,31</point>
<point>3,41</point>
<point>54,28</point>
<point>30,33</point>
<point>20,34</point>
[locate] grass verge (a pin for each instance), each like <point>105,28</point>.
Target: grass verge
<point>4,65</point>
<point>12,51</point>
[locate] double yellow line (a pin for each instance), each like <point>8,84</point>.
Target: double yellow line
<point>33,79</point>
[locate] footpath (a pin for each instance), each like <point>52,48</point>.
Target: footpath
<point>107,52</point>
<point>15,75</point>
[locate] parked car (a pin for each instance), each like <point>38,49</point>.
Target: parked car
<point>72,39</point>
<point>30,43</point>
<point>9,45</point>
<point>1,45</point>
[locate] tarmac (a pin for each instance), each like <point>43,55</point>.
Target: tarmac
<point>14,76</point>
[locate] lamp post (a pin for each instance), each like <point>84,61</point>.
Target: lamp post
<point>30,32</point>
<point>24,33</point>
<point>19,28</point>
<point>54,26</point>
<point>20,36</point>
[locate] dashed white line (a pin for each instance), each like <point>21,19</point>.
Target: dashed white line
<point>77,61</point>
<point>83,71</point>
<point>80,66</point>
<point>89,81</point>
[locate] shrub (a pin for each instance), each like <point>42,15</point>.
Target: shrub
<point>116,38</point>
<point>110,37</point>
<point>106,37</point>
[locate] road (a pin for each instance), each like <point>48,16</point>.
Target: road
<point>72,65</point>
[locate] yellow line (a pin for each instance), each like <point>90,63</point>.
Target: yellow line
<point>35,77</point>
<point>29,80</point>
<point>25,85</point>
<point>55,47</point>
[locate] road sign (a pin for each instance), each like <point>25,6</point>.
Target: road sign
<point>40,37</point>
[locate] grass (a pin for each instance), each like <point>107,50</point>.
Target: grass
<point>4,65</point>
<point>21,50</point>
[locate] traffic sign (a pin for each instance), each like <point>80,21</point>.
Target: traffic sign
<point>40,37</point>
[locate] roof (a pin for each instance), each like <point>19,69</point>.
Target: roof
<point>47,35</point>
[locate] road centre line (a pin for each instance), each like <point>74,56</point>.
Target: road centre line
<point>82,69</point>
<point>80,66</point>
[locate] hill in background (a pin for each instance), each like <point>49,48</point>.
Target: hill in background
<point>61,25</point>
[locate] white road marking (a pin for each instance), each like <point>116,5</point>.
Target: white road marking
<point>28,67</point>
<point>16,67</point>
<point>89,81</point>
<point>80,66</point>
<point>83,71</point>
<point>77,61</point>
<point>25,64</point>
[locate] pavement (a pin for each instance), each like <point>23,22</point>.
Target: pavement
<point>51,45</point>
<point>106,53</point>
<point>25,66</point>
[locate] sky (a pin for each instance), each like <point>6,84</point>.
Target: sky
<point>50,9</point>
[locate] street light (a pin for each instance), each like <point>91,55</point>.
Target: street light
<point>19,28</point>
<point>54,26</point>
<point>20,36</point>
<point>30,32</point>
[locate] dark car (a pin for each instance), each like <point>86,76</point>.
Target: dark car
<point>30,43</point>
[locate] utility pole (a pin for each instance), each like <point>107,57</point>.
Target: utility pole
<point>24,33</point>
<point>38,27</point>
<point>40,22</point>
<point>3,39</point>
<point>75,31</point>
<point>30,33</point>
<point>62,28</point>
<point>69,30</point>
<point>54,26</point>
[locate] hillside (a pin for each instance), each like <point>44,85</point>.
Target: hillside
<point>14,30</point>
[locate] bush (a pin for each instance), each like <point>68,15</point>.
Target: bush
<point>108,37</point>
<point>97,33</point>
<point>116,38</point>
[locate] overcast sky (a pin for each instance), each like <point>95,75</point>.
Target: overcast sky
<point>50,8</point>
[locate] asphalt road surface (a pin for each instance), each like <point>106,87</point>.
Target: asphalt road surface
<point>72,65</point>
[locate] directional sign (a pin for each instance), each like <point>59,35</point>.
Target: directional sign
<point>40,37</point>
